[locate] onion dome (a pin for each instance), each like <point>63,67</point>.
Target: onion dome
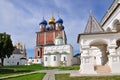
<point>43,22</point>
<point>59,20</point>
<point>63,27</point>
<point>59,37</point>
<point>48,28</point>
<point>52,20</point>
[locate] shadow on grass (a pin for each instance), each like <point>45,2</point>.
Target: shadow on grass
<point>9,71</point>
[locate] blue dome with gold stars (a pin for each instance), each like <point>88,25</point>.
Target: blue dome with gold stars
<point>59,20</point>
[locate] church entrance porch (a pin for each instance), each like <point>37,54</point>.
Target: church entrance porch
<point>98,49</point>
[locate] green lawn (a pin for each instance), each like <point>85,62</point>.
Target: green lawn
<point>66,67</point>
<point>35,76</point>
<point>67,77</point>
<point>11,70</point>
<point>38,67</point>
<point>25,67</point>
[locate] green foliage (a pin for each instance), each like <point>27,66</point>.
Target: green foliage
<point>6,46</point>
<point>67,77</point>
<point>35,76</point>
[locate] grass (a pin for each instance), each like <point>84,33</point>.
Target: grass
<point>11,70</point>
<point>68,67</point>
<point>25,67</point>
<point>39,67</point>
<point>67,77</point>
<point>7,72</point>
<point>35,76</point>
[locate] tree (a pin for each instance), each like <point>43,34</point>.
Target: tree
<point>6,47</point>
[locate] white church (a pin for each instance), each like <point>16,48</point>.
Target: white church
<point>18,56</point>
<point>100,43</point>
<point>60,54</point>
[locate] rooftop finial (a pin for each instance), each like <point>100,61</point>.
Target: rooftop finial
<point>52,14</point>
<point>90,11</point>
<point>43,17</point>
<point>58,14</point>
<point>52,19</point>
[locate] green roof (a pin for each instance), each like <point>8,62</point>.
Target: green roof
<point>59,37</point>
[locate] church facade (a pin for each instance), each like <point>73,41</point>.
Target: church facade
<point>18,56</point>
<point>100,43</point>
<point>60,54</point>
<point>51,44</point>
<point>47,35</point>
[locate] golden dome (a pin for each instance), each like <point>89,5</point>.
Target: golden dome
<point>52,20</point>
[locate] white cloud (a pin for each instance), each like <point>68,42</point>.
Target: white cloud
<point>20,18</point>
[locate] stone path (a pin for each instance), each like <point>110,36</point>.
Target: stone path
<point>50,74</point>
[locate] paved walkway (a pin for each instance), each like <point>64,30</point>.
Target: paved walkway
<point>78,74</point>
<point>50,74</point>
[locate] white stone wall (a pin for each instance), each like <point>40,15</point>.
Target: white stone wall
<point>47,60</point>
<point>111,20</point>
<point>59,41</point>
<point>76,60</point>
<point>55,62</point>
<point>14,60</point>
<point>49,52</point>
<point>35,61</point>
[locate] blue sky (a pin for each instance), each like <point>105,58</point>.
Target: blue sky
<point>21,18</point>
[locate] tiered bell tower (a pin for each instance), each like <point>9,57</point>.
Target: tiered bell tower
<point>47,34</point>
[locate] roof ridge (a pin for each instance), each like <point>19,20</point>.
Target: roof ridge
<point>92,25</point>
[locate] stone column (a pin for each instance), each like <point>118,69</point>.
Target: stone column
<point>114,59</point>
<point>87,62</point>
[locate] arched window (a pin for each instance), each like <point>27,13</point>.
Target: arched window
<point>118,43</point>
<point>45,58</point>
<point>116,25</point>
<point>54,58</point>
<point>37,60</point>
<point>38,53</point>
<point>108,29</point>
<point>64,58</point>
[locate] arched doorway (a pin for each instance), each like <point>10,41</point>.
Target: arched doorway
<point>118,46</point>
<point>116,25</point>
<point>99,51</point>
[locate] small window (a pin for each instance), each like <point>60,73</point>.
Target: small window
<point>32,60</point>
<point>38,53</point>
<point>45,58</point>
<point>108,29</point>
<point>13,56</point>
<point>60,24</point>
<point>37,60</point>
<point>64,58</point>
<point>57,24</point>
<point>54,58</point>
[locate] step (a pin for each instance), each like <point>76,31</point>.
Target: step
<point>102,68</point>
